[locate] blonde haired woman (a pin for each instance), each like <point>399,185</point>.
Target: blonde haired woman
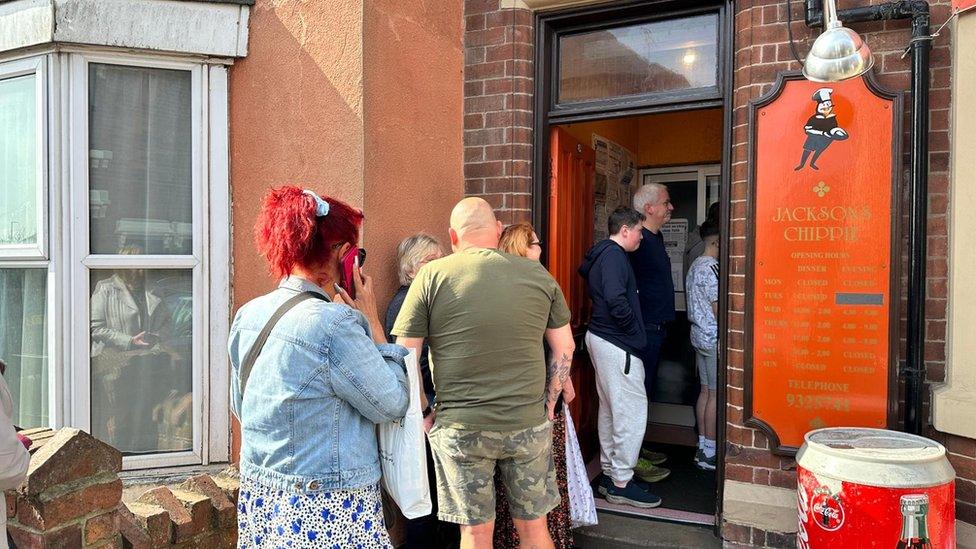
<point>413,253</point>
<point>521,239</point>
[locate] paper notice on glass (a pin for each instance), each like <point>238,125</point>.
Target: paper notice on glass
<point>675,233</point>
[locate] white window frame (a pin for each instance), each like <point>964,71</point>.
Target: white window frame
<point>14,69</point>
<point>63,77</point>
<point>701,172</point>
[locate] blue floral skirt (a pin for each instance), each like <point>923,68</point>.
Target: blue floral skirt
<point>340,519</point>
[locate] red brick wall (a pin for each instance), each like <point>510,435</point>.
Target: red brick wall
<point>498,52</point>
<point>498,156</point>
<point>761,51</point>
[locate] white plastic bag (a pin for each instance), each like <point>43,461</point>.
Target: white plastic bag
<point>403,455</point>
<point>582,507</point>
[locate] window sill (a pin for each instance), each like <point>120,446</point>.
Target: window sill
<point>953,409</point>
<point>167,475</point>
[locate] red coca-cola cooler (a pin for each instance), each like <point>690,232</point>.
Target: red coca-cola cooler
<point>874,488</point>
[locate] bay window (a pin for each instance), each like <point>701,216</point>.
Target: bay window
<point>114,261</point>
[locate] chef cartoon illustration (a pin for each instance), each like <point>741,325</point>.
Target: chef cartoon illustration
<point>821,129</point>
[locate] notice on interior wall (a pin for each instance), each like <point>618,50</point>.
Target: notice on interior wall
<point>615,183</point>
<point>675,233</point>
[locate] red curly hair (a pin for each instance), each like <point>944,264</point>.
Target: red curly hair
<point>288,233</point>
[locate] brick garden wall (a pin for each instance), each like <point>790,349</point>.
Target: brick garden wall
<point>498,155</point>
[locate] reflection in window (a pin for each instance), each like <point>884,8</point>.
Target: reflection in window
<point>23,343</point>
<point>677,54</point>
<point>140,158</point>
<point>18,160</point>
<point>141,359</point>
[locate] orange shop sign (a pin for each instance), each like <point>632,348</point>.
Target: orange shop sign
<point>963,5</point>
<point>820,317</point>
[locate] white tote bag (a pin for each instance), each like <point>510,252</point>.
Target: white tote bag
<point>403,455</point>
<point>582,507</point>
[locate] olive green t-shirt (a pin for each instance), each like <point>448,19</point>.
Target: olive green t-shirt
<point>484,314</point>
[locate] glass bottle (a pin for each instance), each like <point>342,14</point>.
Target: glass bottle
<point>914,526</point>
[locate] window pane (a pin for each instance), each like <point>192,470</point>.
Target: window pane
<point>18,160</point>
<point>23,342</point>
<point>677,54</point>
<point>141,359</point>
<point>140,160</point>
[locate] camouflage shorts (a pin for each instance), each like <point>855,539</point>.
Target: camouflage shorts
<point>465,461</point>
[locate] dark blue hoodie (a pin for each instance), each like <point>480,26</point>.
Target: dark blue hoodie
<point>613,288</point>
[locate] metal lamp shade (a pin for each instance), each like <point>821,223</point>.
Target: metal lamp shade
<point>837,54</point>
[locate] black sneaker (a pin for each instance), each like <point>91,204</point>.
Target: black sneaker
<point>707,463</point>
<point>632,495</point>
<point>604,484</point>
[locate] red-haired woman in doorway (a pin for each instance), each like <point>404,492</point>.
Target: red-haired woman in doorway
<point>521,239</point>
<point>312,376</point>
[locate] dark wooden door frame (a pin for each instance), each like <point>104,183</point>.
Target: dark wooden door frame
<point>548,26</point>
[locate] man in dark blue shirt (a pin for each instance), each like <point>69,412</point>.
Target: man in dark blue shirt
<point>652,267</point>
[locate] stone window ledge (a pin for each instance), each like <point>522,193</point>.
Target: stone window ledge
<point>207,28</point>
<point>537,5</point>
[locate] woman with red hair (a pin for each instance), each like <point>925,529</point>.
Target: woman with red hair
<point>312,376</point>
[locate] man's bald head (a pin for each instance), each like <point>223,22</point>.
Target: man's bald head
<point>473,223</point>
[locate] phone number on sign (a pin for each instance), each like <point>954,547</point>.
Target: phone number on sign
<point>811,402</point>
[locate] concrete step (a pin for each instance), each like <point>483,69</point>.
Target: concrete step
<point>620,532</point>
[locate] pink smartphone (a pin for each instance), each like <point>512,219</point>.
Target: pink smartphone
<point>348,263</point>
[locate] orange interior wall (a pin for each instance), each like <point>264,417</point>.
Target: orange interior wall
<point>668,139</point>
<point>623,131</point>
<point>676,138</point>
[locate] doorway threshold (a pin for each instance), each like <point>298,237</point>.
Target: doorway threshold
<point>657,513</point>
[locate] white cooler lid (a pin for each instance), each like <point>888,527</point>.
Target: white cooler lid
<point>875,457</point>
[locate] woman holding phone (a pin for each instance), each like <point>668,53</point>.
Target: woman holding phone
<point>520,239</point>
<point>312,376</point>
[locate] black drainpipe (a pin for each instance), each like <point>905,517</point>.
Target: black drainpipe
<point>921,44</point>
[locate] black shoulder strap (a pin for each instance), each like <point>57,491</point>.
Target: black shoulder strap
<point>255,350</point>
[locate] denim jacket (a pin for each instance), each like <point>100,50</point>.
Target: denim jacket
<point>315,394</point>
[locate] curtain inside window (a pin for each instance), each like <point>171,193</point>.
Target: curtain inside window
<point>23,343</point>
<point>140,162</point>
<point>18,160</point>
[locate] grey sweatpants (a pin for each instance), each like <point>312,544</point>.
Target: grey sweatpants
<point>622,419</point>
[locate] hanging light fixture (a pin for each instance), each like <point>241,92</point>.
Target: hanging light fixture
<point>838,53</point>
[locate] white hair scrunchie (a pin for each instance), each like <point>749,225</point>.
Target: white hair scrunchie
<point>321,206</point>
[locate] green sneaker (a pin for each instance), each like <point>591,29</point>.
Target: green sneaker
<point>655,458</point>
<point>648,472</point>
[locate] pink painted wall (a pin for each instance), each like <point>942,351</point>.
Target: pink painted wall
<point>357,99</point>
<point>413,116</point>
<point>295,116</point>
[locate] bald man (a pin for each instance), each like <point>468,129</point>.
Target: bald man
<point>485,314</point>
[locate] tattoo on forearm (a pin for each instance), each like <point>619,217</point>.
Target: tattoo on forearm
<point>558,373</point>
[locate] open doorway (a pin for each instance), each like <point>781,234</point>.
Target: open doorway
<point>626,93</point>
<point>595,167</point>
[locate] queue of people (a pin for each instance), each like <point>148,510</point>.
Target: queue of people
<point>315,370</point>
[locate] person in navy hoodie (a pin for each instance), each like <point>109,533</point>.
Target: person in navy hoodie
<point>615,340</point>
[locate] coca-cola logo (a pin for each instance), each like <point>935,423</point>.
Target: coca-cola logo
<point>826,510</point>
